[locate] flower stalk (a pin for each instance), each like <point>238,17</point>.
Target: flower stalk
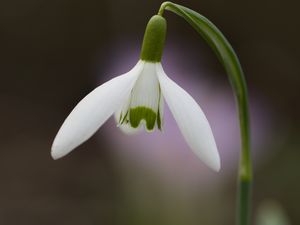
<point>227,56</point>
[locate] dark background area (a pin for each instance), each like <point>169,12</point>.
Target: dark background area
<point>52,53</point>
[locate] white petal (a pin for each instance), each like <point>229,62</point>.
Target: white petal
<point>144,101</point>
<point>125,126</point>
<point>146,89</point>
<point>190,119</point>
<point>92,111</point>
<point>129,130</point>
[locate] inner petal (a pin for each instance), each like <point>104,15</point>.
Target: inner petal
<point>145,97</point>
<point>137,114</point>
<point>144,106</point>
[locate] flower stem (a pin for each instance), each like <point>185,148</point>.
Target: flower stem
<point>245,165</point>
<point>227,56</point>
<point>162,8</point>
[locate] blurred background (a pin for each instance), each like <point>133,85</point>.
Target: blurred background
<point>52,53</point>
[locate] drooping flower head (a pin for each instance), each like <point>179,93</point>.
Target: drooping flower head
<point>136,98</point>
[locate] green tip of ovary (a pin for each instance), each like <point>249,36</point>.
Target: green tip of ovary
<point>154,39</point>
<point>136,115</point>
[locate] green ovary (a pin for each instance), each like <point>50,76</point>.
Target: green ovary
<point>143,113</point>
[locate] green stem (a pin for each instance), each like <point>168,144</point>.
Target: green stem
<point>227,56</point>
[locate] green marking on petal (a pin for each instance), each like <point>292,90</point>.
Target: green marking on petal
<point>158,111</point>
<point>142,113</point>
<point>124,118</point>
<point>120,119</point>
<point>158,120</point>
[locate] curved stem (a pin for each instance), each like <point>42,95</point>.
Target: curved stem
<point>227,56</point>
<point>162,8</point>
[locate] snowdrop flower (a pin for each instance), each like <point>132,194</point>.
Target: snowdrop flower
<point>136,98</point>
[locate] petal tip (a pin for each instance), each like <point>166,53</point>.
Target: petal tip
<point>217,167</point>
<point>55,154</point>
<point>57,151</point>
<point>215,164</point>
<point>54,157</point>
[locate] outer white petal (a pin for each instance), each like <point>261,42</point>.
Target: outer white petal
<point>92,111</point>
<point>190,119</point>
